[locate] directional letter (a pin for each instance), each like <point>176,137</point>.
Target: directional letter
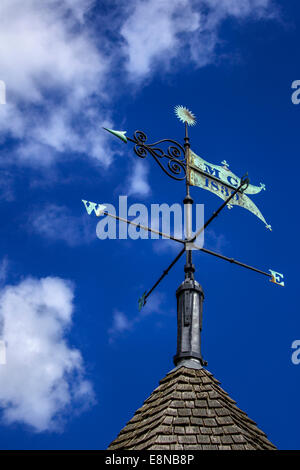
<point>277,278</point>
<point>91,207</point>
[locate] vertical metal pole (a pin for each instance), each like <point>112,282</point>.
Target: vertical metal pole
<point>188,201</point>
<point>187,149</point>
<point>189,294</point>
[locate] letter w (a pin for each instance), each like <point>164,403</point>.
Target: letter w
<point>91,207</point>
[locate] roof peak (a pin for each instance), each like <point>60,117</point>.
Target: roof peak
<point>189,364</point>
<point>189,410</point>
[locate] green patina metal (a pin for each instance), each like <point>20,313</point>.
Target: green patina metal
<point>142,301</point>
<point>120,134</point>
<point>221,173</point>
<point>221,181</point>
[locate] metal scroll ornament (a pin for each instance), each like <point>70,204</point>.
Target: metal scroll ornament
<point>171,160</point>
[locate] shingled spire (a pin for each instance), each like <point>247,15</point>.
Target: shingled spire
<point>189,410</point>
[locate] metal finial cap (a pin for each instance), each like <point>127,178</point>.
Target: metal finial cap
<point>185,115</point>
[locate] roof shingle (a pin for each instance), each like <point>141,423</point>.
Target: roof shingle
<point>190,410</point>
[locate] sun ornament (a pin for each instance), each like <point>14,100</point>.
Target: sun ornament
<point>185,115</point>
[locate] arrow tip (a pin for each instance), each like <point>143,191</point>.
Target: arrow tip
<point>120,134</point>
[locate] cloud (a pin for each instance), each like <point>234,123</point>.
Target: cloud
<point>47,49</point>
<point>6,186</point>
<point>122,323</point>
<point>154,304</point>
<point>214,241</point>
<point>56,223</point>
<point>55,76</point>
<point>138,182</point>
<point>150,20</point>
<point>4,263</point>
<point>163,246</point>
<point>63,62</point>
<point>241,8</point>
<point>43,377</point>
<point>188,31</point>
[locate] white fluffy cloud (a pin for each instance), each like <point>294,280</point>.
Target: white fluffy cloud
<point>60,64</point>
<point>43,376</point>
<point>158,31</point>
<point>153,30</point>
<point>52,68</point>
<point>40,44</point>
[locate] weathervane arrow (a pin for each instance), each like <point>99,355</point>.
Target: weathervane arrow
<point>172,160</point>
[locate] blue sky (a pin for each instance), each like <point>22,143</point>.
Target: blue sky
<point>80,357</point>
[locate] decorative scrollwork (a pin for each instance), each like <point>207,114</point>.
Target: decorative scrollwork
<point>175,154</point>
<point>244,183</point>
<point>176,166</point>
<point>140,150</point>
<point>140,136</point>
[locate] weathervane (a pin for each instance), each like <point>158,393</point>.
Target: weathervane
<point>180,163</point>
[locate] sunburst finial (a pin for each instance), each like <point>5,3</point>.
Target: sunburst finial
<point>185,115</point>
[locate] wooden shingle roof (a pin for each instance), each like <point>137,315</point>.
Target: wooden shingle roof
<point>189,410</point>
